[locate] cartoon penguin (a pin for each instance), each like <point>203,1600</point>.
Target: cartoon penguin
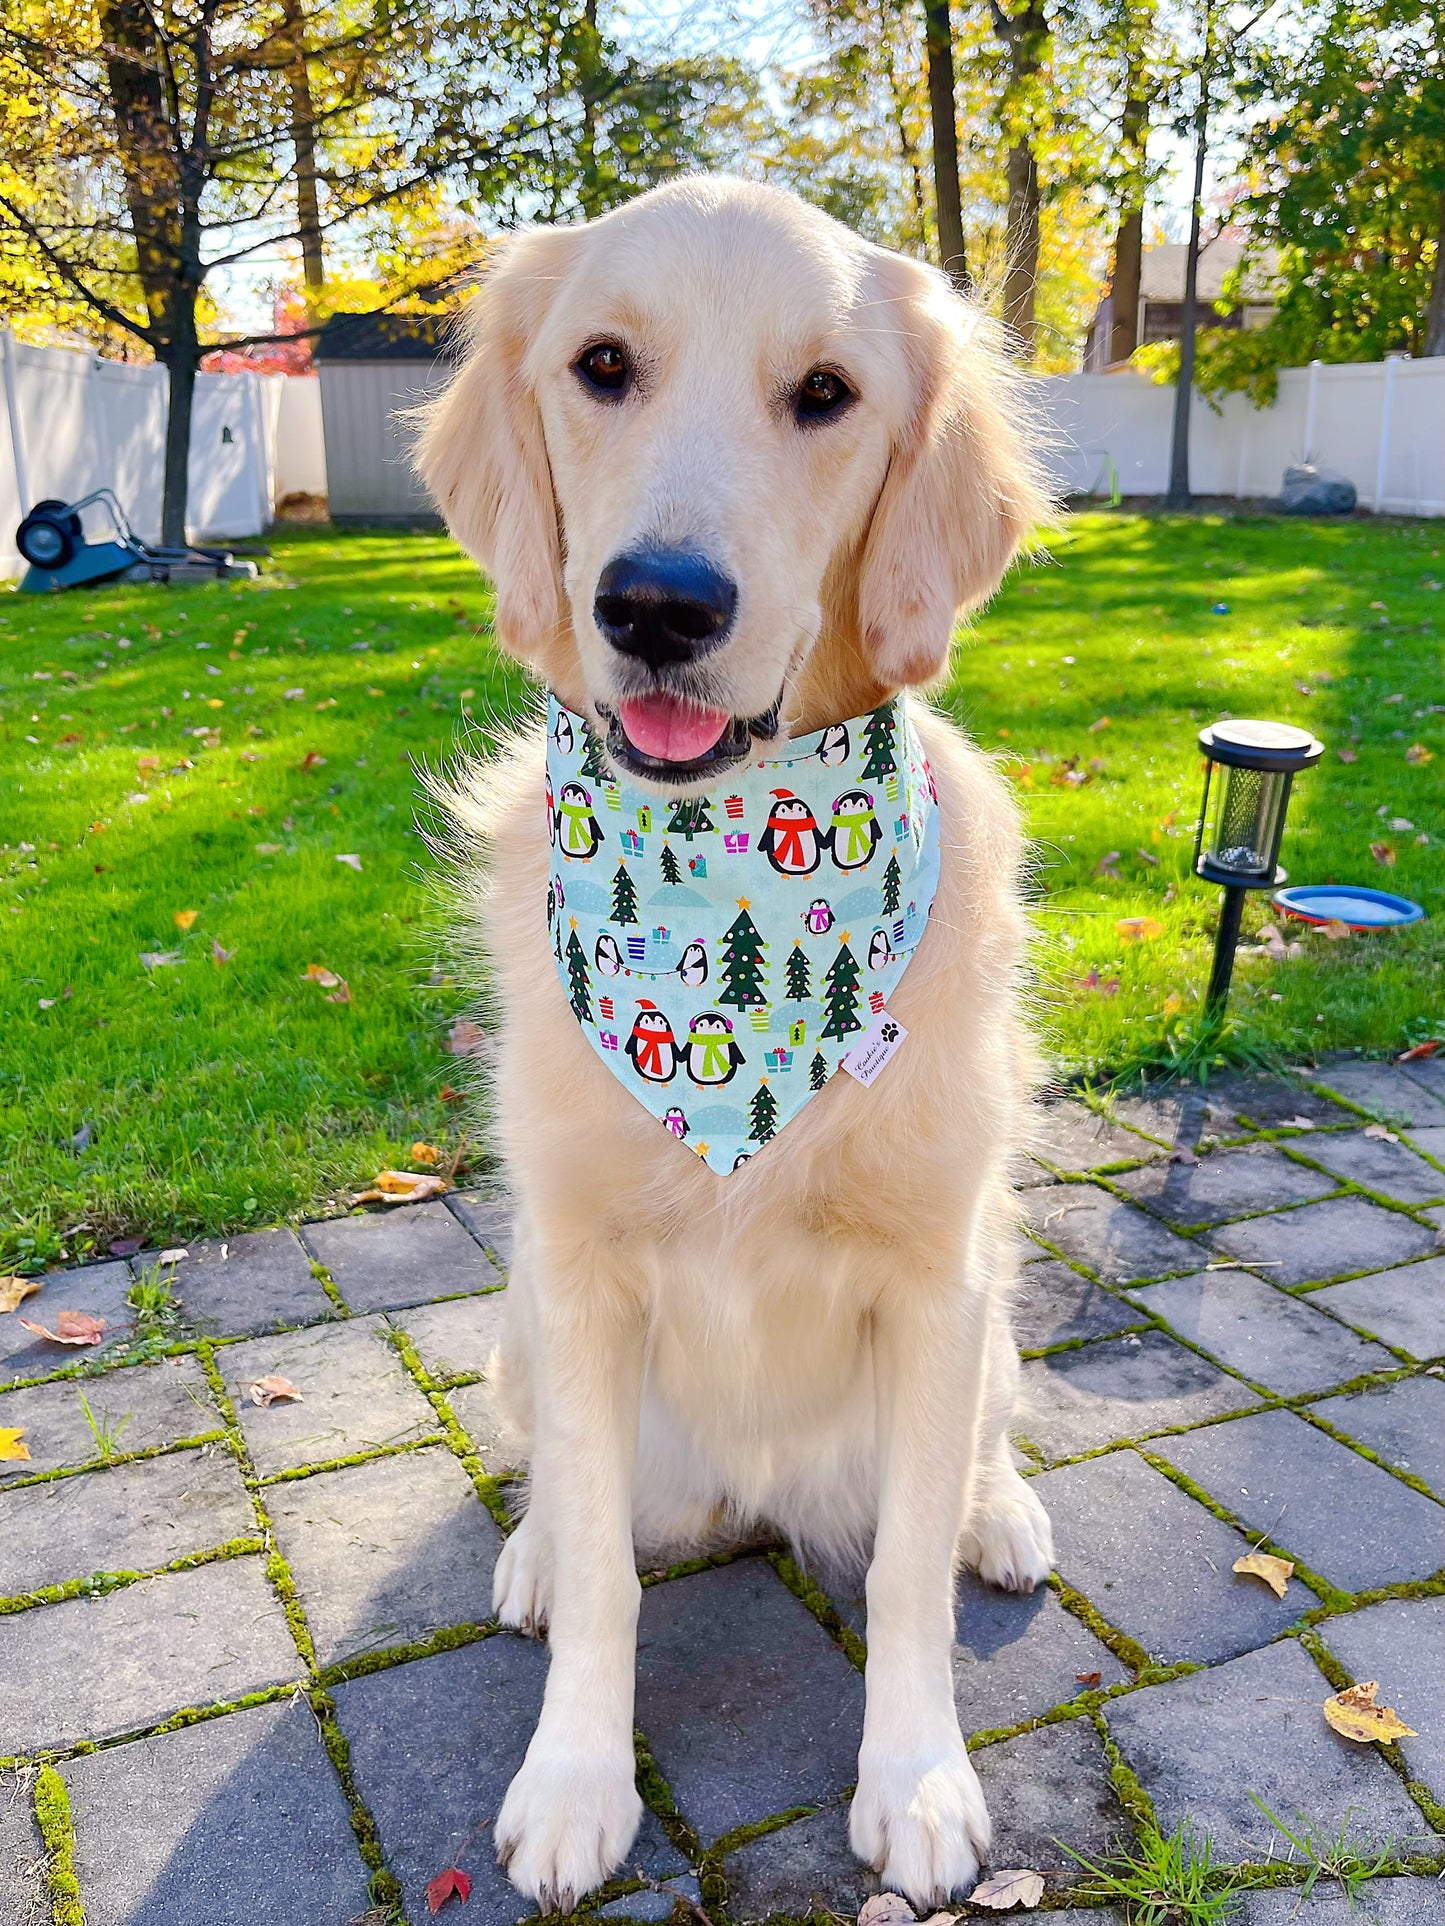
<point>551,904</point>
<point>818,917</point>
<point>693,967</point>
<point>562,735</point>
<point>743,1157</point>
<point>854,833</point>
<point>833,749</point>
<point>878,951</point>
<point>607,956</point>
<point>551,815</point>
<point>652,1045</point>
<point>712,1055</point>
<point>675,1121</point>
<point>791,841</point>
<point>578,831</point>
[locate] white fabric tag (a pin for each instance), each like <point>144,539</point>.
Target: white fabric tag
<point>883,1039</point>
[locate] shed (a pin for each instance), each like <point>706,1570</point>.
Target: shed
<point>373,368</point>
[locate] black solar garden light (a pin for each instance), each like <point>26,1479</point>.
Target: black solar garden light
<point>1238,845</point>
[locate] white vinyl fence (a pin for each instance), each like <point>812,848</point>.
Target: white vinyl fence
<point>1380,423</point>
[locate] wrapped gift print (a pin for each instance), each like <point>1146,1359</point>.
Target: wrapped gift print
<point>723,952</point>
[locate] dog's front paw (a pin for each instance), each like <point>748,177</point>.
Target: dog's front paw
<point>1008,1539</point>
<point>566,1824</point>
<point>919,1817</point>
<point>522,1582</point>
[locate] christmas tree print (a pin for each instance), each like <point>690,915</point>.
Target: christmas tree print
<point>817,1071</point>
<point>670,871</point>
<point>892,885</point>
<point>764,1113</point>
<point>577,976</point>
<point>742,966</point>
<point>690,817</point>
<point>592,754</point>
<point>797,974</point>
<point>624,896</point>
<point>841,996</point>
<point>878,736</point>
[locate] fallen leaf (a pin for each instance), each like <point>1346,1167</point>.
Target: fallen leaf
<point>1147,856</point>
<point>1101,723</point>
<point>185,918</point>
<point>1003,1890</point>
<point>1355,1715</point>
<point>1276,1572</point>
<point>1347,754</point>
<point>1383,854</point>
<point>464,1037</point>
<point>341,994</point>
<point>125,1246</point>
<point>1108,865</point>
<point>1335,930</point>
<point>15,1290</point>
<point>1381,1133</point>
<point>1137,929</point>
<point>886,1909</point>
<point>448,1095</point>
<point>219,956</point>
<point>425,1153</point>
<point>1417,752</point>
<point>318,973</point>
<point>1173,1004</point>
<point>71,1327</point>
<point>352,861</point>
<point>160,959</point>
<point>451,1880</point>
<point>11,1448</point>
<point>80,1139</point>
<point>312,760</point>
<point>400,1187</point>
<point>274,1390</point>
<point>268,849</point>
<point>1088,1678</point>
<point>1093,981</point>
<point>1415,1055</point>
<point>1297,1123</point>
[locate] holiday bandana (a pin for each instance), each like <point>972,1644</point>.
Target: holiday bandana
<point>724,953</point>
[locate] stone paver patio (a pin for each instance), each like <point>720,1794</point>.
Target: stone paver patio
<point>247,1672</point>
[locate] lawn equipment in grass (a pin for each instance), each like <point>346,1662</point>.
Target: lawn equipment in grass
<point>53,541</point>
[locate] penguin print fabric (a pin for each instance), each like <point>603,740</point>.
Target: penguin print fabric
<point>724,952</point>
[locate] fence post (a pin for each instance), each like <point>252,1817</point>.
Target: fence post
<point>1311,402</point>
<point>12,411</point>
<point>1386,416</point>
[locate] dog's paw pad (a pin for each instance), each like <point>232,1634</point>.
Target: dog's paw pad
<point>566,1824</point>
<point>920,1819</point>
<point>1008,1540</point>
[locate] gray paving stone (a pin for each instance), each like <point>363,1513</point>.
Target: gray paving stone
<point>1071,1137</point>
<point>131,1518</point>
<point>807,1867</point>
<point>1271,1103</point>
<point>1201,1744</point>
<point>97,1288</point>
<point>1157,1564</point>
<point>1379,1902</point>
<point>1431,1140</point>
<point>408,1255</point>
<point>1374,1162</point>
<point>1405,1307</point>
<point>158,1404</point>
<point>1318,1242</point>
<point>1224,1184</point>
<point>1178,1114</point>
<point>476,1412</point>
<point>1401,1643</point>
<point>1053,1304</point>
<point>24,1896</point>
<point>1385,1090</point>
<point>1404,1422</point>
<point>655,1903</point>
<point>263,1280</point>
<point>386,1552</point>
<point>1126,1387</point>
<point>237,1820</point>
<point>489,1219</point>
<point>200,1637</point>
<point>1116,1241</point>
<point>1429,1073</point>
<point>1050,1789</point>
<point>1435,1214</point>
<point>1279,1341</point>
<point>455,1339</point>
<point>746,1702</point>
<point>1344,1517</point>
<point>356,1395</point>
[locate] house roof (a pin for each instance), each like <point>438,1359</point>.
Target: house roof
<point>1162,272</point>
<point>384,337</point>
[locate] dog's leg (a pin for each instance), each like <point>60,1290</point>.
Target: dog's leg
<point>572,1810</point>
<point>918,1814</point>
<point>1006,1536</point>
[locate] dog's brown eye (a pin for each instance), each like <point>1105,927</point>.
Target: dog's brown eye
<point>604,366</point>
<point>821,393</point>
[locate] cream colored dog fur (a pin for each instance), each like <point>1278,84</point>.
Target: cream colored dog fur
<point>818,1342</point>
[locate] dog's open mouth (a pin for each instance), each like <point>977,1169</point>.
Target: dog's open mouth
<point>665,736</point>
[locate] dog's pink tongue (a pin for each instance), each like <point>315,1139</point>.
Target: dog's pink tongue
<point>671,730</point>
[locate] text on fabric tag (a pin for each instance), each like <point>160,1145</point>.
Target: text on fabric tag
<point>880,1042</point>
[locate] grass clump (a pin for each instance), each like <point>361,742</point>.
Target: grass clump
<point>1339,1856</point>
<point>1166,1880</point>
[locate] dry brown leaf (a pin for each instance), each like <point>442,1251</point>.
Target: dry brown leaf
<point>274,1390</point>
<point>1108,865</point>
<point>464,1037</point>
<point>1384,854</point>
<point>1088,1678</point>
<point>1381,1133</point>
<point>1355,1715</point>
<point>1007,1888</point>
<point>185,918</point>
<point>341,994</point>
<point>425,1154</point>
<point>1138,929</point>
<point>318,973</point>
<point>71,1327</point>
<point>1335,930</point>
<point>219,956</point>
<point>11,1448</point>
<point>15,1290</point>
<point>886,1909</point>
<point>1094,727</point>
<point>1415,1055</point>
<point>1276,1572</point>
<point>400,1187</point>
<point>1417,753</point>
<point>1348,755</point>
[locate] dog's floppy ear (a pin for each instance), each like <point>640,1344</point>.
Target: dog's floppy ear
<point>481,450</point>
<point>962,490</point>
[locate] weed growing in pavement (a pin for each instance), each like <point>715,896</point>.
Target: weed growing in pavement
<point>1340,1857</point>
<point>105,1431</point>
<point>1166,1881</point>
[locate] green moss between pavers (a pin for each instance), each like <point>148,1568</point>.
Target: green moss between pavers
<point>450,1640</point>
<point>98,1583</point>
<point>1340,1680</point>
<point>294,1473</point>
<point>488,1487</point>
<point>656,1795</point>
<point>1127,1790</point>
<point>1407,1588</point>
<point>1363,1450</point>
<point>112,1463</point>
<point>177,1722</point>
<point>52,1812</point>
<point>821,1606</point>
<point>328,1284</point>
<point>385,1887</point>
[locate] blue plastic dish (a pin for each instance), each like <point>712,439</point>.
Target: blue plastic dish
<point>1359,909</point>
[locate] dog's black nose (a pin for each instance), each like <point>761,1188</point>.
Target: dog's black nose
<point>664,605</point>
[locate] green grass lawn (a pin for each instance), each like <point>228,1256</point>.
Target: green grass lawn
<point>156,760</point>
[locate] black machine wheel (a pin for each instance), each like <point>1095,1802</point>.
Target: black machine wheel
<point>47,537</point>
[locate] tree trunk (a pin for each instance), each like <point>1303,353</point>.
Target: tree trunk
<point>1133,143</point>
<point>1020,285</point>
<point>147,158</point>
<point>1179,496</point>
<point>907,146</point>
<point>303,142</point>
<point>182,359</point>
<point>943,111</point>
<point>1435,307</point>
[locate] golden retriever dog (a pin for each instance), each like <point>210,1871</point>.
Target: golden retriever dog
<point>813,446</point>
